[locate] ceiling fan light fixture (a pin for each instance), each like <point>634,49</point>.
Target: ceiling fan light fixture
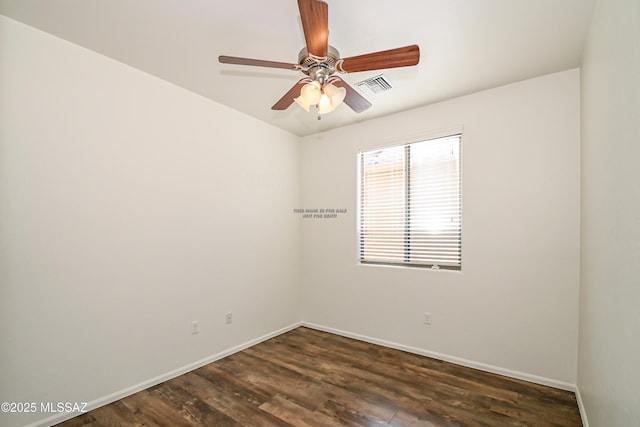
<point>301,102</point>
<point>335,93</point>
<point>324,105</point>
<point>310,94</point>
<point>327,98</point>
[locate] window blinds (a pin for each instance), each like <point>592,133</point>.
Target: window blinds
<point>410,204</point>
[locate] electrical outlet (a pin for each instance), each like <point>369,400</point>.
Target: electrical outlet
<point>195,327</point>
<point>229,318</point>
<point>427,318</point>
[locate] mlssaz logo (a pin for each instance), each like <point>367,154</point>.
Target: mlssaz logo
<point>63,407</point>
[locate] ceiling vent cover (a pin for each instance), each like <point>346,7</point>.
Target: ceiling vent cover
<point>375,85</point>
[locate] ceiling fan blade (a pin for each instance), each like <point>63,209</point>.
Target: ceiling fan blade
<point>284,102</point>
<point>353,99</point>
<point>315,23</point>
<point>392,58</point>
<point>256,62</point>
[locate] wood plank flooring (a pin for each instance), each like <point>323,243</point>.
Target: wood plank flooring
<point>311,378</point>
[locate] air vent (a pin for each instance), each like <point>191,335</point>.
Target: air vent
<point>375,85</point>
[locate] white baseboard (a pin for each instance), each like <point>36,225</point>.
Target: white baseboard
<point>583,412</point>
<point>105,400</point>
<point>457,360</point>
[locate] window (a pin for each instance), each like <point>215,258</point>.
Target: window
<point>410,204</point>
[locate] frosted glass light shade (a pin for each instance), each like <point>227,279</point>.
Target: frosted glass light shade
<point>309,95</point>
<point>336,94</point>
<point>311,92</point>
<point>324,104</point>
<point>331,97</point>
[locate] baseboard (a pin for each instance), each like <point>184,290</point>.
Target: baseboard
<point>583,412</point>
<point>457,360</point>
<point>105,400</point>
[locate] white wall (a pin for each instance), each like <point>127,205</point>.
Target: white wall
<point>128,208</point>
<point>514,306</point>
<point>609,352</point>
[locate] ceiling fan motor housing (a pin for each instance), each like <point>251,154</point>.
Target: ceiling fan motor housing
<point>319,69</point>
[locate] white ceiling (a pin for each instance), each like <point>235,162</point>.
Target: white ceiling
<point>466,45</point>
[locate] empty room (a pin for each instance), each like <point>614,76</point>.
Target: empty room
<point>319,213</point>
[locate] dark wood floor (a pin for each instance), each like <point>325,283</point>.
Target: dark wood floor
<point>311,378</point>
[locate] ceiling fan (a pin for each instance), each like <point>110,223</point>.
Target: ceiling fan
<point>320,62</point>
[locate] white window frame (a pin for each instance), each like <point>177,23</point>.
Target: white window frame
<point>421,260</point>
